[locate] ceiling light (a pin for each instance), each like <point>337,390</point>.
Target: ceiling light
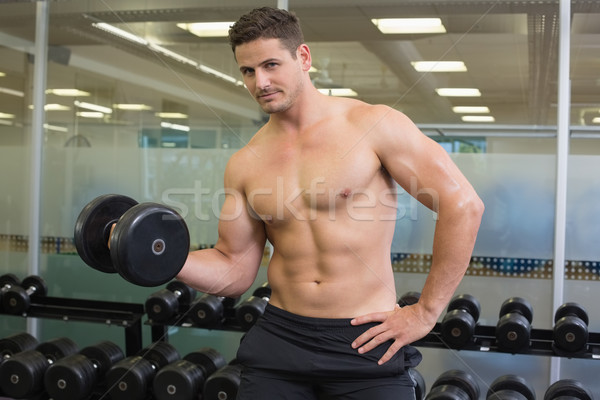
<point>177,127</point>
<point>458,92</point>
<point>7,116</point>
<point>409,25</point>
<point>132,107</point>
<point>119,32</point>
<point>207,29</point>
<point>56,128</point>
<point>439,66</point>
<point>53,107</point>
<point>5,122</point>
<point>171,115</point>
<point>68,92</point>
<point>173,55</point>
<point>478,118</point>
<point>2,74</point>
<point>90,114</point>
<point>596,120</point>
<point>338,92</point>
<point>471,109</point>
<point>13,92</point>
<point>93,107</point>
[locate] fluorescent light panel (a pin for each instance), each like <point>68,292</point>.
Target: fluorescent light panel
<point>177,127</point>
<point>596,120</point>
<point>90,114</point>
<point>68,92</point>
<point>439,66</point>
<point>409,25</point>
<point>2,74</point>
<point>478,118</point>
<point>338,92</point>
<point>93,107</point>
<point>132,107</point>
<point>120,33</point>
<point>53,107</point>
<point>12,92</point>
<point>471,109</point>
<point>458,92</point>
<point>171,115</point>
<point>207,29</point>
<point>6,115</point>
<point>56,128</point>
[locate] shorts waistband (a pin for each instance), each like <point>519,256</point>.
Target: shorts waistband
<point>303,321</point>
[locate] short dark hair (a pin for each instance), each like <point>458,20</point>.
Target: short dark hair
<point>267,23</point>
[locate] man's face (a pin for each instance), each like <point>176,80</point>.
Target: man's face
<point>273,77</point>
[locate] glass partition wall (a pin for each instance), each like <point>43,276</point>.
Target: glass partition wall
<point>136,104</point>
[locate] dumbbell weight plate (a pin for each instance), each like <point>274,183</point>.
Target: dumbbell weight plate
<point>567,389</point>
<point>519,305</point>
<point>409,298</point>
<point>55,349</point>
<point>223,384</point>
<point>92,229</point>
<point>72,377</point>
<point>187,294</point>
<point>571,309</point>
<point>149,244</point>
<point>460,379</point>
<point>181,380</point>
<point>208,359</point>
<point>23,375</point>
<point>104,355</point>
<point>9,279</point>
<point>510,383</point>
<point>17,343</point>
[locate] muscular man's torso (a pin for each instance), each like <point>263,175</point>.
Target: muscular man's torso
<point>329,209</point>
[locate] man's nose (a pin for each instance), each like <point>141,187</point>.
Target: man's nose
<point>262,80</point>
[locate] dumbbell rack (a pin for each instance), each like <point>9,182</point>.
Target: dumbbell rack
<point>125,315</point>
<point>484,340</point>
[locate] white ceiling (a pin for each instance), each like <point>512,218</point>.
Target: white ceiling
<point>509,47</point>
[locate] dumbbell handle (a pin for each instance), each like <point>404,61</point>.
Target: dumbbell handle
<point>6,287</point>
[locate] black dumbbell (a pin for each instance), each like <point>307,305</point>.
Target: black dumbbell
<point>211,311</point>
<point>420,386</point>
<point>7,281</point>
<point>184,379</point>
<point>253,307</point>
<point>148,246</point>
<point>568,389</point>
<point>458,325</point>
<point>570,333</point>
<point>17,343</point>
<point>409,298</point>
<point>131,378</point>
<point>510,387</point>
<point>224,383</point>
<point>454,384</point>
<point>166,303</point>
<point>74,377</point>
<point>513,330</point>
<point>22,376</point>
<point>17,299</point>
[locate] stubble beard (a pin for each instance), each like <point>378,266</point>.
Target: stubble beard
<point>289,97</point>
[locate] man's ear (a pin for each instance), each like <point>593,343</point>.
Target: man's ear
<point>303,53</point>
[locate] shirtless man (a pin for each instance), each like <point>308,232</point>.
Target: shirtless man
<point>318,181</point>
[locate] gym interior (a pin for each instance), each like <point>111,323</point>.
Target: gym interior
<point>127,97</point>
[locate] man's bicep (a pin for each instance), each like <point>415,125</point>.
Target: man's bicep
<point>241,234</point>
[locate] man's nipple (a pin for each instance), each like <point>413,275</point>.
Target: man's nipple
<point>345,193</point>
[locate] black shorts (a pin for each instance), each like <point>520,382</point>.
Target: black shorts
<point>287,356</point>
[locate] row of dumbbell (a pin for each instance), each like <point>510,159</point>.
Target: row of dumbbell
<point>460,385</point>
<point>15,295</point>
<point>178,302</point>
<point>60,370</point>
<point>570,334</point>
